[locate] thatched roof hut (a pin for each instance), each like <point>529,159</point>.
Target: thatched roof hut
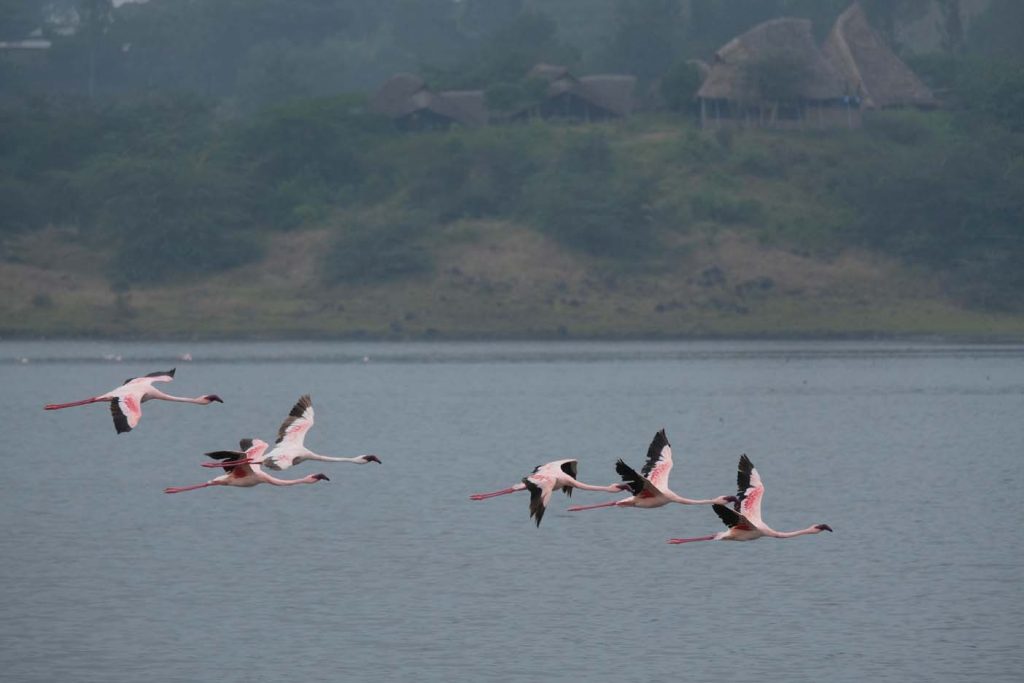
<point>405,99</point>
<point>729,77</point>
<point>871,70</point>
<point>596,97</point>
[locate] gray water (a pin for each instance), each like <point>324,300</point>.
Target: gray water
<point>912,453</point>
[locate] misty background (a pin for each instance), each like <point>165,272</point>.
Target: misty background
<point>162,144</point>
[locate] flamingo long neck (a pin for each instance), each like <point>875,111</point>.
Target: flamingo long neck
<point>675,498</point>
<point>285,482</point>
<point>157,394</point>
<point>791,534</point>
<point>611,488</point>
<point>328,458</point>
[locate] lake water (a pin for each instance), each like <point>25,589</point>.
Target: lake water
<point>912,453</point>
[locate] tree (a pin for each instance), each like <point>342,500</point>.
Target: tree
<point>96,17</point>
<point>19,18</point>
<point>680,84</point>
<point>645,37</point>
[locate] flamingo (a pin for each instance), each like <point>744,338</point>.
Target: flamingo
<point>238,471</point>
<point>542,482</point>
<point>289,449</point>
<point>126,400</point>
<point>650,488</point>
<point>744,521</point>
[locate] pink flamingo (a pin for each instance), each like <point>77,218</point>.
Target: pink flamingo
<point>650,488</point>
<point>543,481</point>
<point>290,449</point>
<point>126,401</point>
<point>744,521</point>
<point>239,472</point>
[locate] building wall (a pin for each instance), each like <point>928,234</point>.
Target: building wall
<point>805,116</point>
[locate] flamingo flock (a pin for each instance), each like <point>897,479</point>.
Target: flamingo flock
<point>244,468</point>
<point>650,490</point>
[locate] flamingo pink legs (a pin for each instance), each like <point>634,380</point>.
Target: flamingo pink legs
<point>676,541</point>
<point>577,508</point>
<point>179,489</point>
<point>484,496</point>
<point>58,406</point>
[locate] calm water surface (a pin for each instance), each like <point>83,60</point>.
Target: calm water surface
<point>912,453</point>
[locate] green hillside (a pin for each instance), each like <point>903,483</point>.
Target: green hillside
<point>156,218</point>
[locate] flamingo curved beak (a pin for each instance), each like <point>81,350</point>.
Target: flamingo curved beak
<point>373,458</point>
<point>321,477</point>
<point>215,398</point>
<point>731,499</point>
<point>825,527</point>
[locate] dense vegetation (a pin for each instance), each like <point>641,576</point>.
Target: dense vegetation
<point>187,180</point>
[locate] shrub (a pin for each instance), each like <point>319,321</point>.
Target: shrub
<point>166,217</point>
<point>721,209</point>
<point>581,203</point>
<point>378,249</point>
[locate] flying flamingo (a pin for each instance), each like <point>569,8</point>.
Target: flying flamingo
<point>289,449</point>
<point>650,488</point>
<point>744,521</point>
<point>244,473</point>
<point>126,401</point>
<point>542,482</point>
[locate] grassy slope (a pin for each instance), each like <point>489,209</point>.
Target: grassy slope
<point>775,272</point>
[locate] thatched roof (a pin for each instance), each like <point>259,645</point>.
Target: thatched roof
<point>729,76</point>
<point>611,92</point>
<point>549,72</point>
<point>469,106</point>
<point>405,94</point>
<point>394,95</point>
<point>872,71</point>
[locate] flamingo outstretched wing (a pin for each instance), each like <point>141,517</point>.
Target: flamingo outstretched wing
<point>231,456</point>
<point>570,467</point>
<point>659,460</point>
<point>732,519</point>
<point>640,486</point>
<point>540,487</point>
<point>159,376</point>
<point>299,421</point>
<point>126,411</point>
<point>751,490</point>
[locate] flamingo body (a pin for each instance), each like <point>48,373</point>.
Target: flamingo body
<point>241,470</point>
<point>126,400</point>
<point>543,481</point>
<point>650,486</point>
<point>290,450</point>
<point>744,519</point>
